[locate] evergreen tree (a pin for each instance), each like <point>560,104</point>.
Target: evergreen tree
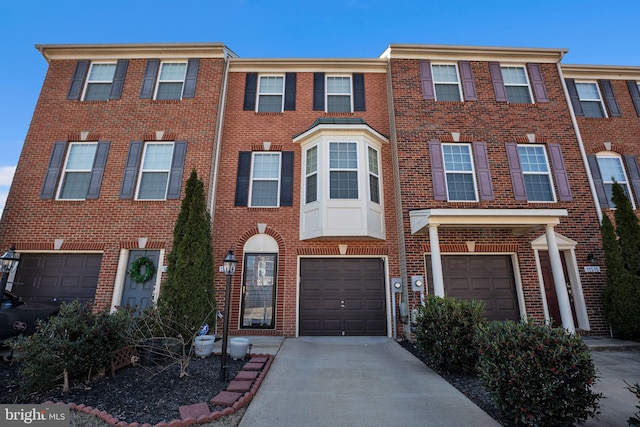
<point>186,296</point>
<point>627,229</point>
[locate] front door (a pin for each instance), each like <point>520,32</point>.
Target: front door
<point>550,289</point>
<point>140,295</point>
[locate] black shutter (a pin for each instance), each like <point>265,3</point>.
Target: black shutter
<point>632,85</point>
<point>468,86</point>
<point>118,79</point>
<point>97,171</point>
<point>358,92</point>
<point>515,171</point>
<point>560,172</point>
<point>290,92</point>
<point>177,166</point>
<point>438,175</point>
<point>483,171</point>
<point>127,190</point>
<point>498,82</point>
<point>634,175</point>
<point>286,179</point>
<point>609,98</point>
<point>538,83</point>
<point>575,98</point>
<point>242,179</point>
<point>250,89</point>
<point>190,78</point>
<point>149,78</point>
<point>78,80</point>
<point>597,181</point>
<point>426,80</point>
<point>53,170</point>
<point>318,91</point>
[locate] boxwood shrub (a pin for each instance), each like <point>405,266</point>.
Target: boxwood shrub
<point>539,375</point>
<point>446,330</point>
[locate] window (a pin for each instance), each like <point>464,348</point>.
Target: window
<point>270,94</point>
<point>611,170</point>
<point>590,99</point>
<point>339,94</point>
<point>265,179</point>
<point>535,170</point>
<point>460,177</point>
<point>258,293</point>
<point>99,82</point>
<point>171,80</point>
<point>446,82</point>
<point>76,175</point>
<point>516,85</point>
<point>154,174</point>
<point>343,170</point>
<point>374,175</point>
<point>311,175</point>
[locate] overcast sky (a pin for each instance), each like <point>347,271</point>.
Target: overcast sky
<point>595,32</point>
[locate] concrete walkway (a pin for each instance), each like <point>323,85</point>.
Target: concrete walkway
<point>356,381</point>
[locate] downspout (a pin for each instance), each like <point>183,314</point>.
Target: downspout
<point>218,138</point>
<point>592,186</point>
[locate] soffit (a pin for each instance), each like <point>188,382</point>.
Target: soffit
<point>335,65</point>
<point>134,51</point>
<point>594,72</point>
<point>473,53</point>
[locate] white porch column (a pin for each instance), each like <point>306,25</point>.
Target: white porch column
<point>558,277</point>
<point>436,261</point>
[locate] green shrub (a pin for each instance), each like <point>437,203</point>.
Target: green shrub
<point>446,329</point>
<point>540,376</point>
<point>634,421</point>
<point>76,343</point>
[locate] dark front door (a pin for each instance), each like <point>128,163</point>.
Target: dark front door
<point>140,295</point>
<point>487,278</point>
<point>57,277</point>
<point>342,296</point>
<point>550,289</point>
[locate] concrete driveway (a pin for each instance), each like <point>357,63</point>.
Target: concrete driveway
<point>356,381</point>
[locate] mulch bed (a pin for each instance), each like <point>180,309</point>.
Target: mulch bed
<point>143,394</point>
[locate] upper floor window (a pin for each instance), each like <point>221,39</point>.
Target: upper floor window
<point>270,94</point>
<point>343,170</point>
<point>590,99</point>
<point>171,80</point>
<point>612,170</point>
<point>536,172</point>
<point>339,94</point>
<point>154,173</point>
<point>265,179</point>
<point>374,175</point>
<point>460,176</point>
<point>446,82</point>
<point>77,171</point>
<point>516,84</point>
<point>311,174</point>
<point>99,81</point>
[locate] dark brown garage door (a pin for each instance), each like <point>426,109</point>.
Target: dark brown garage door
<point>342,297</point>
<point>488,278</point>
<point>57,277</point>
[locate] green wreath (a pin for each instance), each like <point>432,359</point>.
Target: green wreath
<point>136,274</point>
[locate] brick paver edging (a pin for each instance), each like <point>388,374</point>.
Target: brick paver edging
<point>242,401</point>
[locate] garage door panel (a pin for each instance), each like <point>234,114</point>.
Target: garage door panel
<point>481,284</point>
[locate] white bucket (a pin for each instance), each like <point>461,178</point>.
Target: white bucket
<point>204,345</point>
<point>238,347</point>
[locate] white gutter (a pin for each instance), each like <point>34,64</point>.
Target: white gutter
<point>218,138</point>
<point>583,153</point>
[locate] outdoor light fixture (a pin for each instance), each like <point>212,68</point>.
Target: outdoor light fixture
<point>8,263</point>
<point>229,268</point>
<point>591,258</point>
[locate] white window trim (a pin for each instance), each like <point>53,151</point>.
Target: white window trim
<point>526,76</point>
<point>377,175</point>
<point>142,170</point>
<point>307,175</point>
<point>472,173</point>
<point>356,169</point>
<point>252,179</point>
<point>87,81</point>
<point>327,94</point>
<point>608,180</point>
<point>435,92</point>
<point>281,94</point>
<point>65,171</point>
<point>548,173</point>
<point>158,81</point>
<point>601,100</point>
